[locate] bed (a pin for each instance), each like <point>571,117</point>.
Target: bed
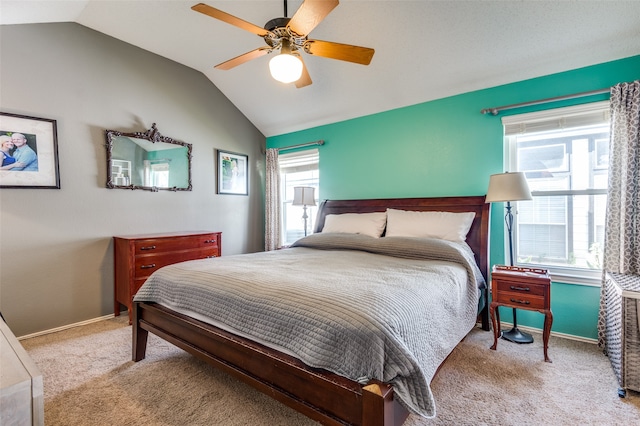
<point>394,382</point>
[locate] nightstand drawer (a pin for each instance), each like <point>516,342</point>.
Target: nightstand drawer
<point>520,300</point>
<point>520,287</point>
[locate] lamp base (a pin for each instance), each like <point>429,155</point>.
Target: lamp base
<point>516,336</point>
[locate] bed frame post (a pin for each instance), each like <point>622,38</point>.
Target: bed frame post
<point>139,336</point>
<point>379,407</point>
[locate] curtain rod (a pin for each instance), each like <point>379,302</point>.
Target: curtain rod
<point>320,142</point>
<point>496,110</point>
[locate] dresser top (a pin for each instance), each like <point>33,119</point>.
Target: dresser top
<point>164,234</point>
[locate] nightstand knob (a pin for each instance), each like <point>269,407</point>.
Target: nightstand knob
<point>522,302</point>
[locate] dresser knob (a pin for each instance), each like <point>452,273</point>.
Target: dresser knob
<point>148,248</point>
<point>153,265</point>
<point>522,302</point>
<point>209,241</point>
<point>513,287</point>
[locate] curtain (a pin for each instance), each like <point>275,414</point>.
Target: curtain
<point>272,202</point>
<point>622,222</point>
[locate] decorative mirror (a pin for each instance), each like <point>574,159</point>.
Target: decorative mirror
<point>147,161</point>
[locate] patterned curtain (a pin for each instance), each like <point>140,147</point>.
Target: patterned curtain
<point>272,202</point>
<point>622,223</point>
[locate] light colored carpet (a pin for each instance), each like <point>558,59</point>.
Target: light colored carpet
<point>90,380</point>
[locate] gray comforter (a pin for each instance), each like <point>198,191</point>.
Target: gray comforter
<point>386,308</point>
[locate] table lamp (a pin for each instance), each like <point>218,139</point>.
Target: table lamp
<point>304,196</point>
<point>508,187</point>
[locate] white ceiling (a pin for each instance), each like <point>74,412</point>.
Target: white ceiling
<point>425,50</point>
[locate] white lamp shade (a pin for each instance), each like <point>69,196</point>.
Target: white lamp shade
<point>508,187</point>
<point>285,68</point>
<point>303,196</point>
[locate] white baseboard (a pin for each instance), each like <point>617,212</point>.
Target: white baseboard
<point>508,326</point>
<point>68,326</point>
<point>503,325</point>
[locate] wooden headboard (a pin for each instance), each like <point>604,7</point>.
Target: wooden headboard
<point>477,238</point>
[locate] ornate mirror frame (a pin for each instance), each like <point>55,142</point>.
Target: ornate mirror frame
<point>120,172</point>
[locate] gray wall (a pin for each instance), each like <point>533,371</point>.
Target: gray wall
<point>56,261</point>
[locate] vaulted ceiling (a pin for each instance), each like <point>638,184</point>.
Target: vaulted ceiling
<point>424,50</point>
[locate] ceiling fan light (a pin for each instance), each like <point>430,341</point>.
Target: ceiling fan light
<point>285,68</point>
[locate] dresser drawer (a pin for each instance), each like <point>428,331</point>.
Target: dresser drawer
<point>154,245</point>
<point>145,265</point>
<point>137,283</point>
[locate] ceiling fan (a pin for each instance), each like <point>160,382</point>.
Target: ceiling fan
<point>289,35</point>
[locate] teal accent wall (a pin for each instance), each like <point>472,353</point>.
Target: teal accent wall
<point>446,147</point>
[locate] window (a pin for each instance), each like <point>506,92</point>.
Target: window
<point>156,174</point>
<point>297,169</point>
<point>564,155</point>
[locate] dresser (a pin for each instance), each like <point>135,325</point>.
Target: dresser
<point>521,288</point>
<point>138,256</point>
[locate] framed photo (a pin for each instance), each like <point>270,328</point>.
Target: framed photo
<point>29,152</point>
<point>233,173</point>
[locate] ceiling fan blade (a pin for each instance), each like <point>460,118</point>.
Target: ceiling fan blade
<point>305,78</point>
<point>342,52</point>
<point>229,19</point>
<point>310,14</point>
<point>245,57</point>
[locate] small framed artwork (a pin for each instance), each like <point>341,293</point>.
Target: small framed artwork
<point>29,152</point>
<point>233,173</point>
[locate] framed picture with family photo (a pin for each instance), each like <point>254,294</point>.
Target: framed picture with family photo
<point>29,152</point>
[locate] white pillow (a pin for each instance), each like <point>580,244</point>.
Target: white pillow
<point>443,225</point>
<point>371,224</point>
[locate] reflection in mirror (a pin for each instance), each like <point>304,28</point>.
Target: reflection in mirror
<point>147,161</point>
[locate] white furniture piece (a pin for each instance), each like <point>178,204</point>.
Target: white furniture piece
<point>21,387</point>
<point>622,298</point>
<point>121,172</point>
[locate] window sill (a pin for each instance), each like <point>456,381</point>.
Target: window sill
<point>586,277</point>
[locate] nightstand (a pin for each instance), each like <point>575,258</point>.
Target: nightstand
<point>521,288</point>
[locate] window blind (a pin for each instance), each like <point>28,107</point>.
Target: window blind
<point>300,161</point>
<point>578,116</point>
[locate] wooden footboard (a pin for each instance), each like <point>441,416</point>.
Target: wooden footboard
<point>323,396</point>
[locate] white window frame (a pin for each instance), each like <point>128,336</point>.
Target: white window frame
<point>558,118</point>
<point>299,161</point>
<point>156,174</point>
